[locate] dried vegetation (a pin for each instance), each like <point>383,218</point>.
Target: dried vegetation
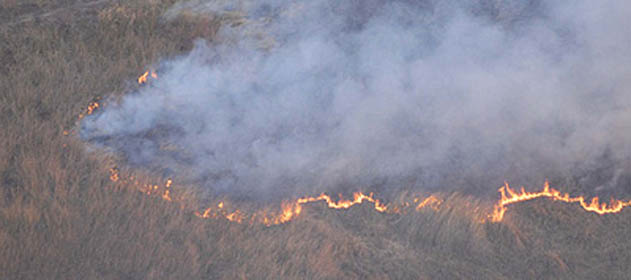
<point>62,218</point>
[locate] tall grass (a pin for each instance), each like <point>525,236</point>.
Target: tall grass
<point>62,218</point>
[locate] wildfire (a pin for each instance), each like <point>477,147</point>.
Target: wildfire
<point>114,175</point>
<point>428,201</point>
<point>143,78</point>
<point>145,188</point>
<point>165,195</point>
<point>292,209</point>
<point>289,210</point>
<point>92,107</point>
<point>499,209</point>
<point>358,198</point>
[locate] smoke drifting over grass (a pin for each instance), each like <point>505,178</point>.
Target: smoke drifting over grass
<point>319,95</point>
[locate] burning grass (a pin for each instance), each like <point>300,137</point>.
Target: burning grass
<point>62,216</point>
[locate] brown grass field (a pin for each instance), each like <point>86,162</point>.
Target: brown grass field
<point>61,217</point>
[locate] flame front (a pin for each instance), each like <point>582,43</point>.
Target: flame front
<point>499,209</point>
<point>92,107</point>
<point>291,210</point>
<point>288,212</point>
<point>428,201</point>
<point>358,198</point>
<point>143,78</point>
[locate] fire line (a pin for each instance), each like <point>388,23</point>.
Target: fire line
<point>143,78</point>
<point>513,197</point>
<point>291,210</point>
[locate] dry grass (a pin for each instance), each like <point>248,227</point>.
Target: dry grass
<point>62,218</point>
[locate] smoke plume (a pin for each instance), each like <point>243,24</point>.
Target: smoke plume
<point>322,95</point>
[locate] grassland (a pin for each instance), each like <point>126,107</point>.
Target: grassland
<point>61,217</point>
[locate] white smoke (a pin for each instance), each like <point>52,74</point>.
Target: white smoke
<point>324,94</point>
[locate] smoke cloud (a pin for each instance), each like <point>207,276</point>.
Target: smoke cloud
<point>323,95</point>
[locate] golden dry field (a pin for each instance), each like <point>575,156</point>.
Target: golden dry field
<point>62,216</point>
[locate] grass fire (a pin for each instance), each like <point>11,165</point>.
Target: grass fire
<point>181,139</point>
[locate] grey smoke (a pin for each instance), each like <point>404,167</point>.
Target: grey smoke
<point>346,95</point>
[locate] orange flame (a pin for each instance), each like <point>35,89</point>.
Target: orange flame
<point>499,209</point>
<point>358,198</point>
<point>429,201</point>
<point>92,107</point>
<point>114,175</point>
<point>166,196</point>
<point>289,210</point>
<point>143,78</point>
